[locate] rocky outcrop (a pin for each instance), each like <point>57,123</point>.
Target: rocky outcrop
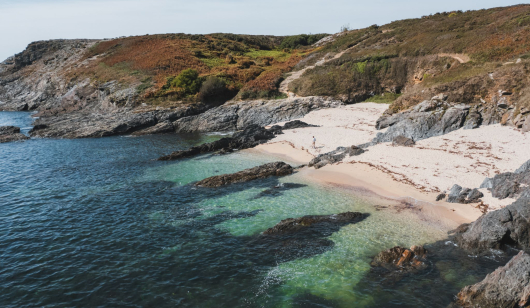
<point>508,286</point>
<point>434,117</point>
<point>296,124</point>
<point>335,156</point>
<point>458,194</point>
<point>250,137</point>
<point>11,133</point>
<point>305,223</point>
<point>507,226</point>
<point>509,184</point>
<point>403,141</point>
<point>259,172</point>
<point>237,116</point>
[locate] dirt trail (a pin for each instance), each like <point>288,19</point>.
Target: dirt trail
<point>462,58</point>
<point>284,86</point>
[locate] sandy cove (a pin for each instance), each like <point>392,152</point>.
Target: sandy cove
<point>416,174</point>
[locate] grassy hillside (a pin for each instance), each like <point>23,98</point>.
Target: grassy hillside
<point>196,67</point>
<point>418,57</point>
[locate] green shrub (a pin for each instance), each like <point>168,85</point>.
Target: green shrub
<point>187,82</point>
<point>214,89</point>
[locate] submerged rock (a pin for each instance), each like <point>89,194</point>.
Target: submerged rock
<point>402,259</point>
<point>335,156</point>
<point>250,137</point>
<point>303,237</point>
<point>259,172</point>
<point>508,286</point>
<point>291,225</point>
<point>11,133</point>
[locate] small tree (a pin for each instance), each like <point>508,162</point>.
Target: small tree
<point>188,82</point>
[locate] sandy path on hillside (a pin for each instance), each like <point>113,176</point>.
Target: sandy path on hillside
<point>464,157</point>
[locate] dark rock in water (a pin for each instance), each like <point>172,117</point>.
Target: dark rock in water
<point>260,172</point>
<point>403,259</point>
<point>335,156</point>
<point>508,286</point>
<point>396,263</point>
<point>509,185</point>
<point>441,197</point>
<point>297,124</point>
<point>252,136</point>
<point>291,225</point>
<point>403,141</point>
<point>11,133</point>
<point>464,195</point>
<point>303,237</point>
<point>505,227</point>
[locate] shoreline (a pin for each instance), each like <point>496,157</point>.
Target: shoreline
<point>367,181</point>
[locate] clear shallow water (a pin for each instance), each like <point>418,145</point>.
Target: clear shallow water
<point>99,222</point>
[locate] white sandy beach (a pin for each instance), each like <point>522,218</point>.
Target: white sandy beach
<point>464,157</point>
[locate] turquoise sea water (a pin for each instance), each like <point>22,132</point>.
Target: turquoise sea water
<point>100,222</point>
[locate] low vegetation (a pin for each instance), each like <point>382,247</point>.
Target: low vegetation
<point>180,67</point>
<point>415,56</point>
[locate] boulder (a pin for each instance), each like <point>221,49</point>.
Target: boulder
<point>335,156</point>
<point>11,133</point>
<point>507,286</point>
<point>259,172</point>
<point>403,141</point>
<point>441,196</point>
<point>297,124</point>
<point>399,257</point>
<point>498,229</point>
<point>508,184</point>
<point>464,195</point>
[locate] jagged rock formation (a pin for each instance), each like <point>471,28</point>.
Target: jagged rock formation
<point>305,223</point>
<point>259,172</point>
<point>509,185</point>
<point>433,118</point>
<point>11,133</point>
<point>248,138</point>
<point>335,156</point>
<point>507,226</point>
<point>463,195</point>
<point>508,286</point>
<point>237,116</point>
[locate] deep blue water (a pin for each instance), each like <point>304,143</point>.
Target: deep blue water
<point>100,222</point>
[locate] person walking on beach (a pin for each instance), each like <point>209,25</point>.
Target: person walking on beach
<point>314,142</point>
